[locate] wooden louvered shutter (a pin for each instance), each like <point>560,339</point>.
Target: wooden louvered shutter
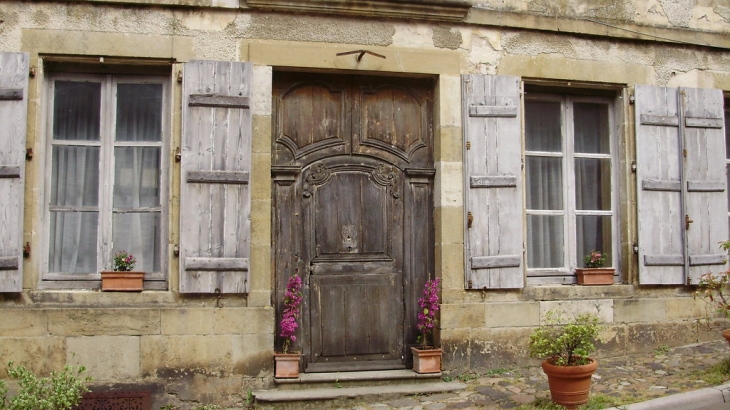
<point>491,113</point>
<point>215,195</point>
<point>682,199</point>
<point>13,114</point>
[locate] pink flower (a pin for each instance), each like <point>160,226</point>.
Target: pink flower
<point>292,300</point>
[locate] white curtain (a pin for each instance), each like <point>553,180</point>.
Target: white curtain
<point>545,233</point>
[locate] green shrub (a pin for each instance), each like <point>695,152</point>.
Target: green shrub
<point>565,342</point>
<point>60,391</point>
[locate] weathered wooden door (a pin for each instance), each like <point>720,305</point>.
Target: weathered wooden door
<point>353,172</point>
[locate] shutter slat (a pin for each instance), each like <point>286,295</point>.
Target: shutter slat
<point>705,186</point>
<point>210,100</point>
<point>13,123</point>
<point>216,264</point>
<point>701,260</point>
<point>10,171</point>
<point>215,196</point>
<point>492,129</point>
<point>490,262</point>
<point>665,120</point>
<point>493,181</point>
<point>668,186</point>
<point>218,177</point>
<point>703,122</point>
<point>11,94</point>
<point>493,111</point>
<point>664,260</point>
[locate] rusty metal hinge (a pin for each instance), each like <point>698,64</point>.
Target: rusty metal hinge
<point>684,153</point>
<point>469,219</point>
<point>687,221</point>
<point>471,284</point>
<point>468,145</point>
<point>26,250</point>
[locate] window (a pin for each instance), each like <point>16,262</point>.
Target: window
<point>570,204</point>
<point>105,188</point>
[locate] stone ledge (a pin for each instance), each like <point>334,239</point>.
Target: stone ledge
<point>573,292</point>
<point>352,392</point>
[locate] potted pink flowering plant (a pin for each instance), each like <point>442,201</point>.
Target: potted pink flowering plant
<point>123,277</point>
<point>595,272</point>
<point>427,357</point>
<point>287,364</point>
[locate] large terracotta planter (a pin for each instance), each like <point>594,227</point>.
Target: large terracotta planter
<point>726,335</point>
<point>569,385</point>
<point>595,276</point>
<point>286,365</point>
<point>122,281</point>
<point>426,360</point>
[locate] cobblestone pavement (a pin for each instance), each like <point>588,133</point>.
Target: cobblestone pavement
<point>632,378</point>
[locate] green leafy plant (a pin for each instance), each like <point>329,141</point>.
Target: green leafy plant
<point>60,391</point>
<point>565,342</point>
<point>595,259</point>
<point>124,262</point>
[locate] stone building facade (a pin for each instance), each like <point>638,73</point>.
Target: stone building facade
<point>535,132</point>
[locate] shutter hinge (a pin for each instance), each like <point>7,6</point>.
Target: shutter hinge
<point>471,284</point>
<point>684,153</point>
<point>176,250</point>
<point>179,76</point>
<point>468,145</point>
<point>31,72</point>
<point>29,154</point>
<point>26,250</point>
<point>469,219</point>
<point>632,99</point>
<point>687,221</point>
<point>633,166</point>
<point>178,156</point>
<point>689,280</point>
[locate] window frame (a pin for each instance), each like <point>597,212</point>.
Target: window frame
<point>107,144</point>
<point>571,259</point>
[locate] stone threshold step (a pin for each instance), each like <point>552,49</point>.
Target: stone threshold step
<point>332,393</point>
<point>365,376</point>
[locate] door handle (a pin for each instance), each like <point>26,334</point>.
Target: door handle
<point>687,221</point>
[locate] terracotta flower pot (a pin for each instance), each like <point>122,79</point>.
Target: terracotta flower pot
<point>286,365</point>
<point>595,276</point>
<point>426,360</point>
<point>122,281</point>
<point>569,385</point>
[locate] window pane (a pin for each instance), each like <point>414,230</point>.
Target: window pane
<point>139,234</point>
<point>139,112</point>
<point>545,241</point>
<point>591,128</point>
<point>544,183</point>
<point>136,177</point>
<point>75,178</point>
<point>594,233</point>
<point>543,126</point>
<point>76,111</point>
<point>73,242</point>
<point>593,184</point>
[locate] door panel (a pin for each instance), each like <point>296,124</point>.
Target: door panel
<point>353,171</point>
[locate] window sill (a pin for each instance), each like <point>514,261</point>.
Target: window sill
<point>573,292</point>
